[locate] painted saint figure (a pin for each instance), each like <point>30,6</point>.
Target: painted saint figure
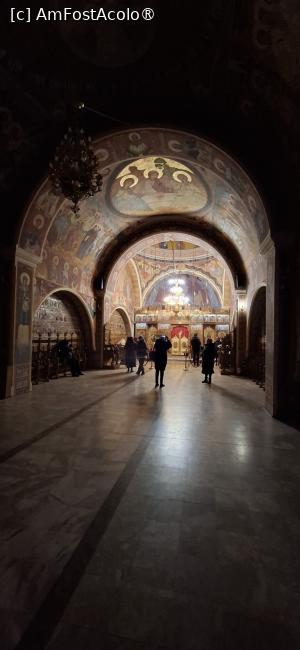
<point>23,316</point>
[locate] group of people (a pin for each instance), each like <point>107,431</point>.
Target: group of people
<point>68,356</point>
<point>137,350</point>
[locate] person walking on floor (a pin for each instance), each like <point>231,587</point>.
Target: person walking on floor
<point>130,353</point>
<point>141,353</point>
<point>196,346</point>
<point>161,347</point>
<point>208,360</point>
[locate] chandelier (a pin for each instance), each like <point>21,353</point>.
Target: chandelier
<point>176,295</point>
<point>74,169</point>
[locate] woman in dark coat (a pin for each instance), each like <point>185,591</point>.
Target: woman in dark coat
<point>161,347</point>
<point>208,360</point>
<point>130,354</point>
<point>142,353</point>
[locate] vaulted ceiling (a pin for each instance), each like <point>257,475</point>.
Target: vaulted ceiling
<point>228,70</point>
<point>188,180</point>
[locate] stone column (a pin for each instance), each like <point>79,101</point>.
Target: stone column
<point>287,381</point>
<point>25,265</point>
<point>241,330</point>
<point>271,379</point>
<point>99,336</point>
<point>7,292</point>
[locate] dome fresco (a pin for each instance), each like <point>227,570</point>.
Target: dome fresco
<point>155,185</point>
<point>199,291</point>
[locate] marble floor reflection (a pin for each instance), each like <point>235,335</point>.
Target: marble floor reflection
<point>140,518</point>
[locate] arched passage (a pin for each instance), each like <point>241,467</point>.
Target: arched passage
<point>118,327</point>
<point>189,185</point>
<point>66,313</point>
<point>60,316</point>
<point>109,266</point>
<point>125,245</point>
<point>119,254</point>
<point>208,282</point>
<point>257,336</point>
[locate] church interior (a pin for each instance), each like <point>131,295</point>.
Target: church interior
<point>149,176</point>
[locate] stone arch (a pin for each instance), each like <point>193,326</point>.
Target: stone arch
<point>79,305</point>
<point>137,284</point>
<point>123,314</point>
<point>224,176</point>
<point>60,316</point>
<point>229,215</point>
<point>134,235</point>
<point>112,264</point>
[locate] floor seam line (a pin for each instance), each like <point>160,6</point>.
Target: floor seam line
<point>40,630</point>
<point>16,450</point>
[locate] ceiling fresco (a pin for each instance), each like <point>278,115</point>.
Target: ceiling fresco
<point>167,251</point>
<point>158,185</point>
<point>209,268</point>
<point>176,245</point>
<point>150,270</point>
<point>237,77</point>
<point>189,176</point>
<point>199,291</point>
<point>143,279</point>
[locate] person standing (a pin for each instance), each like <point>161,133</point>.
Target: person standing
<point>195,345</point>
<point>208,360</point>
<point>161,347</point>
<point>141,353</point>
<point>130,353</point>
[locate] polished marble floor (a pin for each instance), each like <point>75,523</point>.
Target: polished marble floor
<point>143,519</point>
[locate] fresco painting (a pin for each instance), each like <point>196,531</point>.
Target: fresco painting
<point>38,220</point>
<point>42,289</point>
<point>71,247</point>
<point>232,211</point>
<point>57,316</point>
<point>167,172</point>
<point>158,185</point>
<point>199,291</point>
<point>24,290</point>
<point>124,292</point>
<point>195,176</point>
<point>176,245</point>
<point>148,269</point>
<point>210,267</point>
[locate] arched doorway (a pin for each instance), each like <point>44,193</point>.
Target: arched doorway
<point>189,185</point>
<point>163,261</point>
<point>117,328</point>
<point>257,337</point>
<point>60,317</point>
